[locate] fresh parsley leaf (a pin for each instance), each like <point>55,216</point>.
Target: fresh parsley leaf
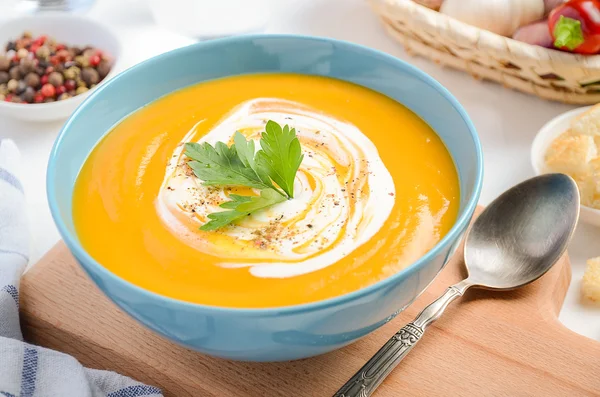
<point>245,149</point>
<point>267,198</point>
<point>241,206</point>
<point>246,152</point>
<point>221,166</point>
<point>281,155</point>
<point>220,219</point>
<point>240,165</point>
<point>236,200</point>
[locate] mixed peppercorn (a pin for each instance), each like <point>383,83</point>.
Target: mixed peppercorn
<point>40,70</point>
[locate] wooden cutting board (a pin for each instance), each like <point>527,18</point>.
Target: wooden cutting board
<point>487,344</point>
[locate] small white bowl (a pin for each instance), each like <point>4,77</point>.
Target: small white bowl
<point>73,30</point>
<point>544,138</point>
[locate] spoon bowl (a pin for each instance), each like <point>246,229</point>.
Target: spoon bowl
<point>522,233</point>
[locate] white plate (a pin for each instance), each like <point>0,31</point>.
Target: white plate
<point>71,30</point>
<point>544,138</point>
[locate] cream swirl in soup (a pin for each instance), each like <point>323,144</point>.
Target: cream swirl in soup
<point>343,195</point>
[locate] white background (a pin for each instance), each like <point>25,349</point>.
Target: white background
<point>506,121</point>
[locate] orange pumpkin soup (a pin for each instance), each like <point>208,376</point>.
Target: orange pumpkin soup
<point>375,190</point>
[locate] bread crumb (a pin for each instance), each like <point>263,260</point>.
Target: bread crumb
<point>594,183</point>
<point>590,286</point>
<point>587,123</point>
<point>571,154</point>
<point>576,153</point>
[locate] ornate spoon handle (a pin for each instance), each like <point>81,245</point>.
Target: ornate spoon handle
<point>370,376</point>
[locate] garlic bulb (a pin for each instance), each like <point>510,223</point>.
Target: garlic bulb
<point>499,16</point>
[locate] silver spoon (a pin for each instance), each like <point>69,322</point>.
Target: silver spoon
<point>514,241</point>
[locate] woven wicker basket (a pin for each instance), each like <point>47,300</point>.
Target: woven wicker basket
<point>549,74</point>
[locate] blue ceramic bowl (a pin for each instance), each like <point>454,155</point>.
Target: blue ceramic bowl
<point>280,333</point>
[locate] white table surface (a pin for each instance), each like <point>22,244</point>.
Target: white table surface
<point>506,121</point>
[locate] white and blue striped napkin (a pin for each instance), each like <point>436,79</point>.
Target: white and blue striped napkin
<point>27,370</point>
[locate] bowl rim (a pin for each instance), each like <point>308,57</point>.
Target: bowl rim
<point>116,58</point>
<point>542,140</point>
<point>453,234</point>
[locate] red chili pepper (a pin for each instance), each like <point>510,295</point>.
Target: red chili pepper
<point>575,26</point>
